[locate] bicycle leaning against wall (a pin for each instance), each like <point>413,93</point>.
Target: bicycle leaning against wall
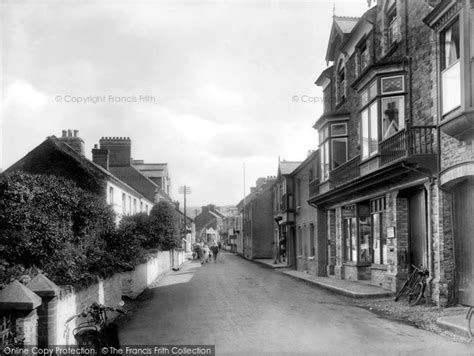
<point>414,286</point>
<point>96,331</point>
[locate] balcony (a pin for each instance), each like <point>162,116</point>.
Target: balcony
<point>417,142</point>
<point>416,146</point>
<point>345,172</point>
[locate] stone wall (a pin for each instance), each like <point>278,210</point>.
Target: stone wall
<point>44,322</point>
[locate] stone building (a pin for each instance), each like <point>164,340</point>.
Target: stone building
<point>310,246</point>
<point>257,220</point>
<point>284,212</point>
<point>452,24</point>
<point>378,145</point>
<point>209,218</point>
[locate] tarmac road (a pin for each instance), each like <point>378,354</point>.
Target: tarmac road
<point>247,309</point>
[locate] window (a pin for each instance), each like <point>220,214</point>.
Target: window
<point>134,206</point>
<point>393,116</point>
<point>124,204</point>
<point>393,21</point>
<point>369,120</point>
<point>350,239</point>
<point>377,211</point>
<point>111,195</point>
<point>333,150</point>
<point>380,125</point>
<point>341,84</point>
<point>311,175</point>
<point>364,57</point>
<point>450,68</point>
<point>141,207</point>
<point>298,192</point>
<point>129,205</point>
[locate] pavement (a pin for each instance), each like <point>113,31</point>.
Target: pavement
<point>455,323</point>
<point>348,288</point>
<point>244,309</point>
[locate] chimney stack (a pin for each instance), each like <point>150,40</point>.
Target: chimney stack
<point>75,142</point>
<point>120,149</point>
<point>100,157</point>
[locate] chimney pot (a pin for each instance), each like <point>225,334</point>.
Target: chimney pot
<point>69,133</point>
<point>95,146</point>
<point>64,133</point>
<point>75,133</point>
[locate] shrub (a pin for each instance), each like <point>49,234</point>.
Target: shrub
<point>164,226</point>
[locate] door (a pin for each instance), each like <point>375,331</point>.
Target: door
<point>463,196</point>
<point>417,227</point>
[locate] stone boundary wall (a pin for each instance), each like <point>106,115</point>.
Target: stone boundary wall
<point>54,305</point>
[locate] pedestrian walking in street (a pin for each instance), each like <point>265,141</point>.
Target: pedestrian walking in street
<point>219,245</point>
<point>275,253</point>
<point>214,250</point>
<point>205,256</point>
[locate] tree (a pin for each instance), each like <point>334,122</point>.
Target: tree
<point>164,227</point>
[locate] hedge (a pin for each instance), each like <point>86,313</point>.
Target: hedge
<point>48,223</point>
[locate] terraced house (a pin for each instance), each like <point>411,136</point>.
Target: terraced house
<point>379,149</point>
<point>452,24</point>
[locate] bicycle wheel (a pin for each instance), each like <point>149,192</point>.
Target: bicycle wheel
<point>402,290</point>
<point>416,294</point>
<point>89,340</point>
<point>469,320</point>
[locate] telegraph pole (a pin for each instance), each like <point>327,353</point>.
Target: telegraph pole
<point>184,190</point>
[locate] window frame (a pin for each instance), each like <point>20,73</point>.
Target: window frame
<point>371,95</point>
<point>326,148</point>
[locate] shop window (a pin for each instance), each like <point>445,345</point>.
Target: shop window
<point>377,211</point>
<point>350,237</point>
<point>450,68</point>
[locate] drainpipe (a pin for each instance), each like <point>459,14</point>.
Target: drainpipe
<point>429,238</point>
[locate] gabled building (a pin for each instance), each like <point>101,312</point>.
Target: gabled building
<point>452,24</point>
<point>115,155</point>
<point>284,212</point>
<point>209,217</point>
<point>378,146</point>
<point>64,157</point>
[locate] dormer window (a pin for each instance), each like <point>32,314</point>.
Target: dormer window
<point>341,93</point>
<point>393,30</point>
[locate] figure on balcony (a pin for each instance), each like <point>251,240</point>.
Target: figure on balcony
<point>390,120</point>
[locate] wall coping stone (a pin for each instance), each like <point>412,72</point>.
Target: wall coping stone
<point>43,286</point>
<point>17,296</point>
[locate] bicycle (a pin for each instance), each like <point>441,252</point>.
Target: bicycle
<point>96,331</point>
<point>414,286</point>
<point>469,314</point>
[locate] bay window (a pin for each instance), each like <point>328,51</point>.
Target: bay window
<point>450,68</point>
<point>383,113</point>
<point>333,148</point>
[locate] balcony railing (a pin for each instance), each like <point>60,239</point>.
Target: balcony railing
<point>345,172</point>
<point>418,140</point>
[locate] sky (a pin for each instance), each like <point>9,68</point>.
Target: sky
<point>207,86</point>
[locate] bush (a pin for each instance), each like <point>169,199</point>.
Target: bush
<point>164,226</point>
<point>48,222</point>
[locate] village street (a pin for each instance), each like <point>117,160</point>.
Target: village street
<point>246,309</point>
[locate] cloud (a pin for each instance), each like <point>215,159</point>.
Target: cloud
<point>21,95</point>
